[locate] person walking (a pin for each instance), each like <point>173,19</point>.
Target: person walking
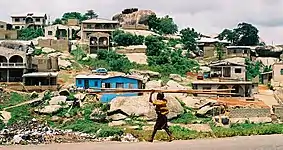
<point>161,110</point>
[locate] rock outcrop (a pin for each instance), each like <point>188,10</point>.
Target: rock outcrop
<point>133,16</point>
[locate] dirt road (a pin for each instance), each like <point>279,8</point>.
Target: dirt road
<point>273,142</point>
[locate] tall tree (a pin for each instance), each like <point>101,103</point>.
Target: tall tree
<point>164,25</point>
<point>248,34</point>
<point>244,35</point>
<point>74,15</point>
<point>57,21</point>
<point>90,14</point>
<point>189,37</point>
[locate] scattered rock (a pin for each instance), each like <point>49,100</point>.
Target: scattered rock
<point>93,56</point>
<point>48,50</point>
<point>50,109</point>
<point>140,106</point>
<point>116,123</point>
<point>209,110</point>
<point>64,64</point>
<point>153,84</point>
<point>34,94</point>
<point>64,92</point>
<point>58,100</point>
<point>176,77</point>
<point>151,74</point>
<point>73,47</point>
<point>55,118</point>
<point>17,139</point>
<point>6,116</point>
<point>129,138</point>
<point>80,96</point>
<point>98,116</point>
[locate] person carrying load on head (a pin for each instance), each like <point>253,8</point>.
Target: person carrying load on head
<point>162,111</point>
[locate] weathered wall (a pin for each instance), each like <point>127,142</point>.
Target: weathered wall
<point>249,112</point>
<point>8,34</point>
<point>277,77</point>
<point>60,45</point>
<point>278,111</point>
<point>209,51</point>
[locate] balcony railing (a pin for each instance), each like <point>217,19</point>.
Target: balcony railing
<point>12,65</point>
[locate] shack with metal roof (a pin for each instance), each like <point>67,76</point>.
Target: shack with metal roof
<point>104,81</point>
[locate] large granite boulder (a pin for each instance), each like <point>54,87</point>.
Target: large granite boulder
<point>153,84</point>
<point>140,106</point>
<point>58,100</point>
<point>50,109</point>
<point>133,17</point>
<point>148,73</point>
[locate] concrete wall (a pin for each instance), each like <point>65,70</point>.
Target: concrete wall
<point>209,51</point>
<point>278,111</point>
<point>3,25</point>
<point>8,53</point>
<point>249,112</point>
<point>8,34</point>
<point>277,77</point>
<point>60,45</point>
<point>54,28</point>
<point>241,75</point>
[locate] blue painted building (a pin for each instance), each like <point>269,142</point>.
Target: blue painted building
<point>96,81</point>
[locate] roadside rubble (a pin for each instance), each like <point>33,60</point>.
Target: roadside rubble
<point>33,132</point>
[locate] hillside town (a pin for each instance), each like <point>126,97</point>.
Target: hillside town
<point>84,78</point>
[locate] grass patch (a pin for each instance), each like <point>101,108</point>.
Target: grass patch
<point>14,99</point>
<point>21,113</point>
<point>189,118</point>
<point>248,129</point>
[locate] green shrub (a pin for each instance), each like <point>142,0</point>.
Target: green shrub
<point>109,131</point>
<point>37,52</point>
<point>121,38</point>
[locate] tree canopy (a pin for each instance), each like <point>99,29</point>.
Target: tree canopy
<point>121,38</point>
<point>165,59</point>
<point>189,37</point>
<point>164,25</point>
<point>30,33</point>
<point>244,35</point>
<point>90,14</point>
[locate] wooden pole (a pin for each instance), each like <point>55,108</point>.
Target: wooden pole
<point>211,92</point>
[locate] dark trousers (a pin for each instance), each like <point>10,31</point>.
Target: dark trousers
<point>161,123</point>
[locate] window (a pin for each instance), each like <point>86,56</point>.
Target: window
<point>119,85</point>
<point>17,27</point>
<point>80,81</point>
<point>50,32</point>
<point>281,71</point>
<point>131,86</point>
<point>88,26</point>
<point>95,83</point>
<point>238,70</point>
<point>206,88</point>
<point>17,19</point>
<point>107,85</point>
<point>1,26</point>
<point>37,20</point>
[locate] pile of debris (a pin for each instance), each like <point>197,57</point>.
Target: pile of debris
<point>33,132</point>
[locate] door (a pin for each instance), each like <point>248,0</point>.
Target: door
<point>86,84</point>
<point>227,72</point>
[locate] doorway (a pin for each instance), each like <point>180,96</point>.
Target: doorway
<point>86,83</point>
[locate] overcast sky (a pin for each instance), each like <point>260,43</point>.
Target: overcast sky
<point>206,16</point>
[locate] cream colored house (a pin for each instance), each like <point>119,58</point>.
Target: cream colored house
<point>60,31</point>
<point>29,20</point>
